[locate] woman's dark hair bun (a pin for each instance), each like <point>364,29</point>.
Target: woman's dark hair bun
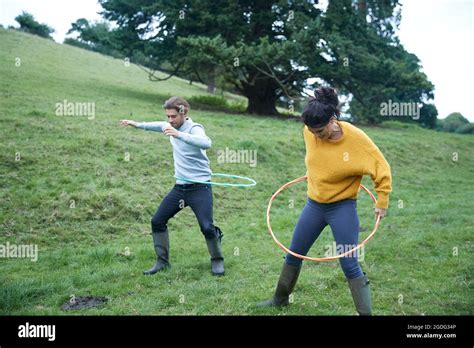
<point>321,108</point>
<point>326,95</point>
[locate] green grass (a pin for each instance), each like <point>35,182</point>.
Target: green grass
<point>82,249</point>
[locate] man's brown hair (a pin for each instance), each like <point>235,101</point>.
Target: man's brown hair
<point>177,103</point>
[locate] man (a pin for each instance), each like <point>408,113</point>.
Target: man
<point>189,143</point>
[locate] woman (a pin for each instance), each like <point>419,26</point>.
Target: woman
<point>337,156</point>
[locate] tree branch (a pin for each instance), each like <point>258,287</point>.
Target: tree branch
<point>153,77</point>
<point>274,77</point>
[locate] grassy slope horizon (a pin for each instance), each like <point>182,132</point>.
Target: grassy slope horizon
<point>419,262</point>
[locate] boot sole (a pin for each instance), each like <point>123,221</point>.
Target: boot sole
<point>160,270</point>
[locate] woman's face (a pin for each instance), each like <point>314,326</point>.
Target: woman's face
<point>325,132</point>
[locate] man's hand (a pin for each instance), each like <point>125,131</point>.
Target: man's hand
<point>170,131</point>
<point>128,123</point>
<point>380,212</point>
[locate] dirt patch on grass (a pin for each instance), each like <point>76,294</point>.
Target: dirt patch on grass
<point>84,302</point>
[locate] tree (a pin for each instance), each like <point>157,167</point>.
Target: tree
<point>466,129</point>
<point>99,37</point>
<point>454,122</point>
<point>367,61</point>
<point>269,50</point>
<point>30,25</point>
<point>203,54</point>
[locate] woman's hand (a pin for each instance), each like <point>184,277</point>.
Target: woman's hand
<point>380,212</point>
<point>128,123</point>
<point>170,131</point>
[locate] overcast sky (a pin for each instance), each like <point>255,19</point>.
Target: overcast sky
<point>439,32</point>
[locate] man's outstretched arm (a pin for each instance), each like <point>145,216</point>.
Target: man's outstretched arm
<point>148,126</point>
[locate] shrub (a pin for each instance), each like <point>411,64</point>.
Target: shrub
<point>466,129</point>
<point>216,103</point>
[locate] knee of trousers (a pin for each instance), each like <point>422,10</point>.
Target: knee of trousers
<point>209,231</point>
<point>293,260</point>
<point>158,226</point>
<point>351,268</point>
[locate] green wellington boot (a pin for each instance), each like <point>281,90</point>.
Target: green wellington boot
<point>286,284</point>
<point>162,245</point>
<point>360,291</point>
<point>215,250</point>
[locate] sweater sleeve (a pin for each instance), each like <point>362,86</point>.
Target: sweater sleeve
<point>379,171</point>
<point>152,126</point>
<point>196,137</point>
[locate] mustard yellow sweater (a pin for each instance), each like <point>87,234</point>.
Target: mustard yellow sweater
<point>335,167</point>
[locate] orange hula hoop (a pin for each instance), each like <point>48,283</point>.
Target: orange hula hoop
<point>303,178</point>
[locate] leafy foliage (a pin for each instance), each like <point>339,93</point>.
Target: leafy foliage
<point>30,25</point>
<point>269,50</point>
<point>455,122</point>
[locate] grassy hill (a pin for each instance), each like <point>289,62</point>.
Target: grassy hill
<point>66,186</point>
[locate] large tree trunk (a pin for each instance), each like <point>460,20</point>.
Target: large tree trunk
<point>211,81</point>
<point>262,97</point>
<point>261,106</point>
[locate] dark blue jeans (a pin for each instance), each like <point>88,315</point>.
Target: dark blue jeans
<point>344,221</point>
<point>198,197</point>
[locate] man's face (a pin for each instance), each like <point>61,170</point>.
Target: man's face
<point>175,118</point>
